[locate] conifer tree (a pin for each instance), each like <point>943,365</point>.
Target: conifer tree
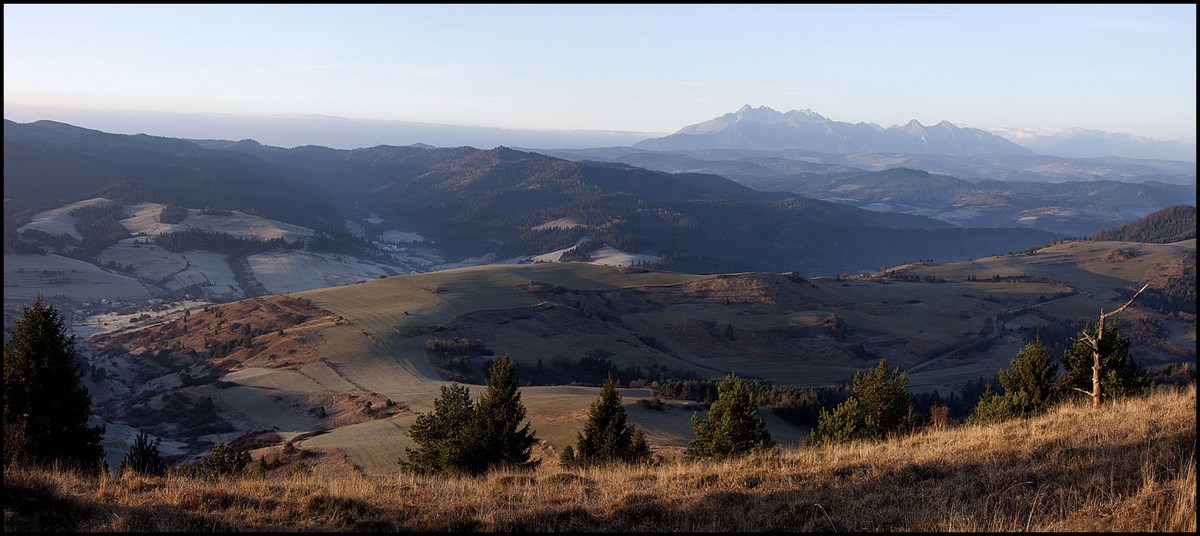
<point>881,405</point>
<point>45,403</point>
<point>143,457</point>
<point>1120,376</point>
<point>607,436</point>
<point>462,437</point>
<point>732,426</point>
<point>498,416</point>
<point>445,436</point>
<point>1029,387</point>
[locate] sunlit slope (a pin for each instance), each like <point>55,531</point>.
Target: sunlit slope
<point>1094,268</point>
<point>368,352</point>
<point>943,324</point>
<point>1101,276</point>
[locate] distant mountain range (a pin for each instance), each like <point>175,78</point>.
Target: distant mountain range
<point>761,128</point>
<point>1073,196</point>
<point>473,203</point>
<point>765,129</point>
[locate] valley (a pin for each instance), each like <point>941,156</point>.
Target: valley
<point>361,352</point>
<point>212,311</point>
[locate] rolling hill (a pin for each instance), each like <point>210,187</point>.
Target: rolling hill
<point>345,370</point>
<point>468,203</point>
<point>1171,224</point>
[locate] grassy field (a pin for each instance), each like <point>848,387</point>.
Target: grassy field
<point>27,276</point>
<point>1129,467</point>
<point>373,341</point>
<point>59,221</point>
<point>144,218</point>
<point>371,355</point>
<point>281,272</point>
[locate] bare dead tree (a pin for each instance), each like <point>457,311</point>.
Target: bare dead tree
<point>1094,342</point>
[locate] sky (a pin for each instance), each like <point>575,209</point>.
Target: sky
<point>641,68</point>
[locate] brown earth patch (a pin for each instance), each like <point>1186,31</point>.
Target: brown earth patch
<point>749,293</point>
<point>355,407</point>
<point>279,332</point>
<point>1159,273</point>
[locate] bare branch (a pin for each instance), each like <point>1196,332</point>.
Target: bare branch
<point>1087,337</point>
<point>1127,304</point>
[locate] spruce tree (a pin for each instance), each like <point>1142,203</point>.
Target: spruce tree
<point>445,437</point>
<point>498,416</point>
<point>607,436</point>
<point>462,437</point>
<point>732,427</point>
<point>45,403</point>
<point>884,398</point>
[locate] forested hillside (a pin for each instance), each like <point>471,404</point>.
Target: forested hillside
<point>1171,224</point>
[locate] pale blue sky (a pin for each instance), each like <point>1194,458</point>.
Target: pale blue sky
<point>645,68</point>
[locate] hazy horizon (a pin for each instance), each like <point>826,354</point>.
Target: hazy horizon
<point>637,69</point>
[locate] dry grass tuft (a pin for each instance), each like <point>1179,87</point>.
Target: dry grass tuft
<point>1130,467</point>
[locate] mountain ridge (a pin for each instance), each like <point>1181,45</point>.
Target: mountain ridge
<point>766,128</point>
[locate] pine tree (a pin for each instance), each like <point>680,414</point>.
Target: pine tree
<point>503,441</point>
<point>1029,387</point>
<point>445,436</point>
<point>1120,375</point>
<point>884,397</point>
<point>45,403</point>
<point>607,436</point>
<point>143,457</point>
<point>732,427</point>
<point>880,406</point>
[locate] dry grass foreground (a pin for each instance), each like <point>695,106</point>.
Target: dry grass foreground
<point>1130,467</point>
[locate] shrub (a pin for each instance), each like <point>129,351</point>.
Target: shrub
<point>222,461</point>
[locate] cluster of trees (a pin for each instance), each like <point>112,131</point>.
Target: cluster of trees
<point>463,437</point>
<point>1032,384</point>
<point>1178,294</point>
<point>100,226</point>
<point>797,405</point>
<point>195,238</point>
<point>172,213</point>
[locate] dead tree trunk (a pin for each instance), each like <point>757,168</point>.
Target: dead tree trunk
<point>1094,342</point>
